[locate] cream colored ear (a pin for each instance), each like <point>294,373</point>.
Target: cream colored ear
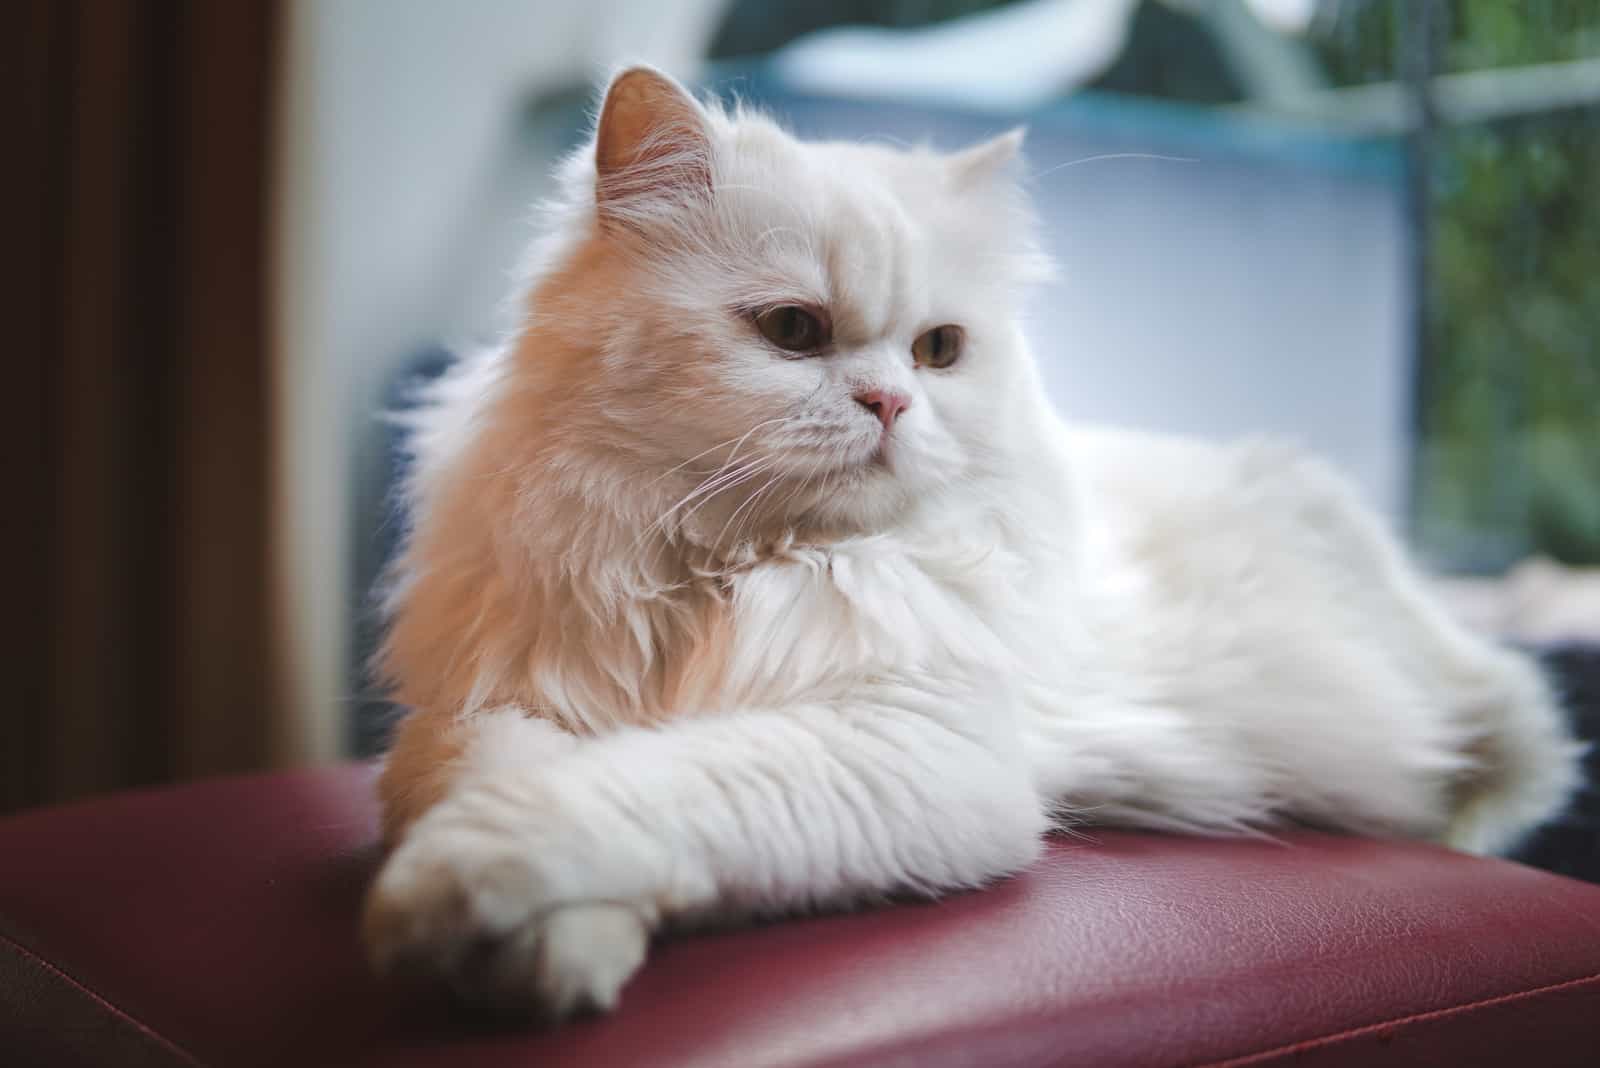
<point>651,138</point>
<point>977,164</point>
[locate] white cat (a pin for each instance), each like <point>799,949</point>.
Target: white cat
<point>756,574</point>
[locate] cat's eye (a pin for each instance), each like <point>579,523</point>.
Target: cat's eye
<point>939,347</point>
<point>793,328</point>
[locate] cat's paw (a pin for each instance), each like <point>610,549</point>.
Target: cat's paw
<point>571,959</point>
<point>582,957</point>
<point>484,914</point>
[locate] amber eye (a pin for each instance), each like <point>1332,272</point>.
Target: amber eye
<point>792,328</point>
<point>939,347</point>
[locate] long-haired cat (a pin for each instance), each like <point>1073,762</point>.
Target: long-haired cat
<point>755,573</point>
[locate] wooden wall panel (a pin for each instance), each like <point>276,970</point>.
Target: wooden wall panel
<point>136,468</point>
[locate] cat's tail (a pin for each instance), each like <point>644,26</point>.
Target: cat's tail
<point>1527,765</point>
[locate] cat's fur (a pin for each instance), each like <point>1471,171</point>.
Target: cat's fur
<point>686,634</point>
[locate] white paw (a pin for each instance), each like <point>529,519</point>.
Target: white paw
<point>482,911</point>
<point>586,954</point>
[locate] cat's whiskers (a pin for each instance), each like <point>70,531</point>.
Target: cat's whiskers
<point>749,475</point>
<point>748,502</point>
<point>771,230</point>
<point>824,462</point>
<point>1110,156</point>
<point>886,139</point>
<point>757,467</point>
<point>736,442</point>
<point>725,477</point>
<point>804,482</point>
<point>711,484</point>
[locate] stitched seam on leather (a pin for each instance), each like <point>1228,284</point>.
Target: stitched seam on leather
<point>105,1003</point>
<point>1398,1021</point>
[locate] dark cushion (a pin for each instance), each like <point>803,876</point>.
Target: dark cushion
<point>215,923</point>
<point>1570,843</point>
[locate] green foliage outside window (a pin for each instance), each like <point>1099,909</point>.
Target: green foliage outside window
<point>1509,459</point>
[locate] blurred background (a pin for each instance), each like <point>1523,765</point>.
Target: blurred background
<point>1373,225</point>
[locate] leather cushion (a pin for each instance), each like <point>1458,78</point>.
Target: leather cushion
<point>215,924</point>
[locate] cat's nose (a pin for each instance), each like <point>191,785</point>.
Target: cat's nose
<point>885,404</point>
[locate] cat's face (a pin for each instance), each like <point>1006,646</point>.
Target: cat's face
<point>802,333</point>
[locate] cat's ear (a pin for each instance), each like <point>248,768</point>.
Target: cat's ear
<point>978,163</point>
<point>652,143</point>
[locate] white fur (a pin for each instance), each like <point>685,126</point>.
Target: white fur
<point>920,663</point>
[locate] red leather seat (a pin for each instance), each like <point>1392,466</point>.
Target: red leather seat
<point>215,924</point>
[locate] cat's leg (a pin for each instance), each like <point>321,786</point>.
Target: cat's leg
<point>534,884</point>
<point>428,755</point>
<point>430,752</point>
<point>431,747</point>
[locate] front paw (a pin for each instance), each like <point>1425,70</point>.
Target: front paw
<point>508,923</point>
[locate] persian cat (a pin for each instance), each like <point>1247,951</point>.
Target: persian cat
<point>755,573</point>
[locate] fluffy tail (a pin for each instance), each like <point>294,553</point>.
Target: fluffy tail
<point>1528,765</point>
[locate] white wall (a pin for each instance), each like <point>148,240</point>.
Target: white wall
<point>1221,299</point>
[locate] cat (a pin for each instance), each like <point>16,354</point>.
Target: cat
<point>754,574</point>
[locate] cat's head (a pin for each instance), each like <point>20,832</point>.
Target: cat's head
<point>787,334</point>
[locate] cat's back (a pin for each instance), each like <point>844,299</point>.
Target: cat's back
<point>1256,536</point>
<point>1153,494</point>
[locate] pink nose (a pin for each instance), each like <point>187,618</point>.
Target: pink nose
<point>885,404</point>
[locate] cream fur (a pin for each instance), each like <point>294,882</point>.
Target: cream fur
<point>683,644</point>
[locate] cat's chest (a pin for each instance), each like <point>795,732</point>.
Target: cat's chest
<point>813,619</point>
